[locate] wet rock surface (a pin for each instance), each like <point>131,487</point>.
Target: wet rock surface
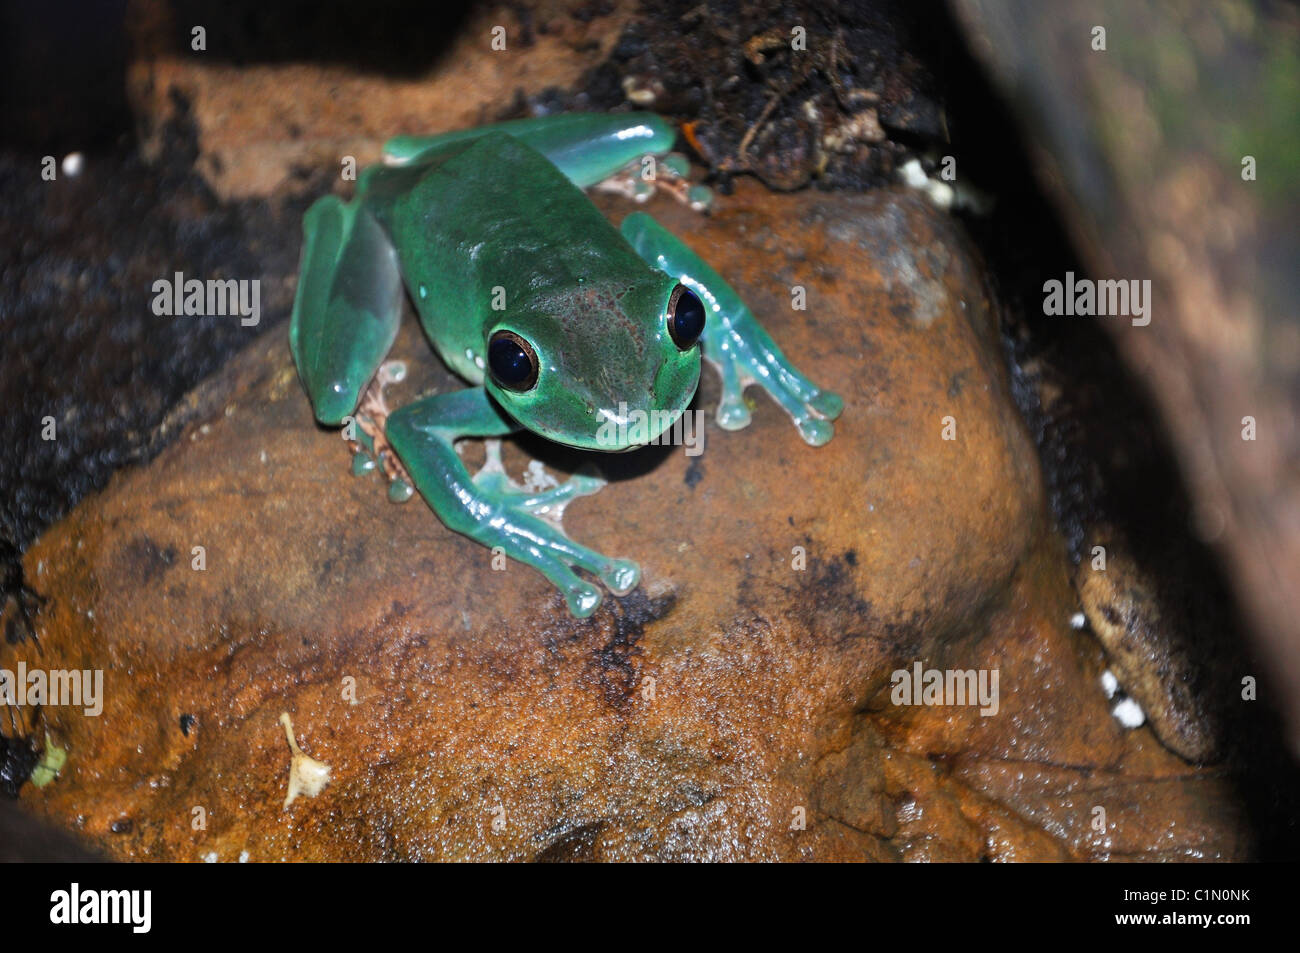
<point>464,714</point>
<point>477,699</point>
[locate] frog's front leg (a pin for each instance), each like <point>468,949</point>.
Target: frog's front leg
<point>489,508</point>
<point>734,342</point>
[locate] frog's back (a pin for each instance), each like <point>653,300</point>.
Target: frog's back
<point>479,219</point>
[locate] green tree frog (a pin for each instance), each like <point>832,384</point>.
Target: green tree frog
<point>559,322</point>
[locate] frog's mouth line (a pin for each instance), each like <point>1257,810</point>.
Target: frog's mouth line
<point>623,430</point>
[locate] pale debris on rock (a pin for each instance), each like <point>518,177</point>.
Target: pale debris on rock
<point>1126,709</point>
<point>307,776</point>
<point>1129,713</point>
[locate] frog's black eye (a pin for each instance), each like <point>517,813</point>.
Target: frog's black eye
<point>685,317</point>
<point>513,361</point>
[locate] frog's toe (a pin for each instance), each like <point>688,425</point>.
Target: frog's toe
<point>621,577</point>
<point>581,597</point>
<point>815,431</point>
<point>699,198</point>
<point>815,425</point>
<point>362,463</point>
<point>827,403</point>
<point>583,601</point>
<point>585,483</point>
<point>733,412</point>
<point>675,164</point>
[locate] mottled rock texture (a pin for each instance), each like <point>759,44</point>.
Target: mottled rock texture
<point>464,714</point>
<point>733,707</point>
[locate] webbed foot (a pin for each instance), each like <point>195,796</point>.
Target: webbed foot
<point>524,522</point>
<point>641,178</point>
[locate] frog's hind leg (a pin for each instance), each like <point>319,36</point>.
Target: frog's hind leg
<point>626,153</point>
<point>347,306</point>
<point>587,147</point>
<point>734,342</point>
<point>490,508</point>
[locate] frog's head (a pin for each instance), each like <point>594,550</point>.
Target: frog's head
<point>600,368</point>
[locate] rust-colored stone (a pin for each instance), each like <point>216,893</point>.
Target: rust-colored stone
<point>477,697</point>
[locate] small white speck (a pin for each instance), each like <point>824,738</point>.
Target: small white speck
<point>262,455</point>
<point>912,174</point>
<point>72,164</point>
<point>210,858</point>
<point>1109,683</point>
<point>536,479</point>
<point>942,194</point>
<point>1078,620</point>
<point>243,856</point>
<point>1129,713</point>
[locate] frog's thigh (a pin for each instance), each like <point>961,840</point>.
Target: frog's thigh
<point>424,433</point>
<point>347,307</point>
<point>586,147</point>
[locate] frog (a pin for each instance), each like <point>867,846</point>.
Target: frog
<point>560,324</point>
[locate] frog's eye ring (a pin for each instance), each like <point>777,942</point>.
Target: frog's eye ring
<point>685,317</point>
<point>513,361</point>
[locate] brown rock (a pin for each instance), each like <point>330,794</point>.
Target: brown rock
<point>261,122</point>
<point>695,718</point>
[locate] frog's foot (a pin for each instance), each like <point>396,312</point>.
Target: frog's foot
<point>743,359</point>
<point>734,342</point>
<point>542,495</point>
<point>369,442</point>
<point>523,522</point>
<point>545,500</point>
<point>641,178</point>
